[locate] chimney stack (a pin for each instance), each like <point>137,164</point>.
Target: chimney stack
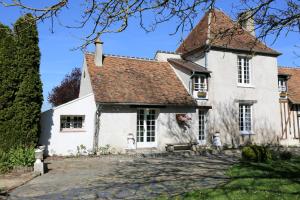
<point>98,53</point>
<point>247,22</point>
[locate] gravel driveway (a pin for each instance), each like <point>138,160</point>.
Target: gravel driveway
<point>124,177</point>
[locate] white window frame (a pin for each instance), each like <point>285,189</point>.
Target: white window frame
<point>72,123</point>
<point>144,143</point>
<point>243,129</point>
<point>242,63</point>
<point>282,84</point>
<point>202,128</point>
<point>200,87</point>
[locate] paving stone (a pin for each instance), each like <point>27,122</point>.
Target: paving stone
<point>125,178</point>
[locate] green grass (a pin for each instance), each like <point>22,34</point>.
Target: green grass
<point>274,180</point>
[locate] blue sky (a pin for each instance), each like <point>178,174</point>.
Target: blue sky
<point>58,58</point>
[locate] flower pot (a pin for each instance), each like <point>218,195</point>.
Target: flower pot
<point>38,154</point>
<point>201,94</point>
<point>283,94</point>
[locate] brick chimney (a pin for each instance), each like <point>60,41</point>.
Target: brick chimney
<point>98,53</point>
<point>247,22</point>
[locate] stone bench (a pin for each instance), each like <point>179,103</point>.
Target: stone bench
<point>181,146</point>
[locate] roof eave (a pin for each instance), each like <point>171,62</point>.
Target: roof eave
<point>146,104</point>
<point>215,47</point>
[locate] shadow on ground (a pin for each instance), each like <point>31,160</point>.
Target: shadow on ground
<point>138,178</point>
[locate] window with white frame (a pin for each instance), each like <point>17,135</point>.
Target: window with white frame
<point>282,84</point>
<point>202,128</point>
<point>71,122</point>
<point>200,83</point>
<point>200,86</point>
<point>244,71</point>
<point>245,118</point>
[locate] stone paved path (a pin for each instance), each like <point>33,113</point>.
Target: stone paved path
<point>125,177</point>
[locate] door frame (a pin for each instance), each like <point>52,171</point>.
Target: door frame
<point>146,144</point>
<point>202,142</point>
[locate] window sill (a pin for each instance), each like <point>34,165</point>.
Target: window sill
<point>245,86</point>
<point>246,133</point>
<point>72,130</point>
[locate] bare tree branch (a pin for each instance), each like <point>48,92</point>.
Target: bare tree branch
<point>274,17</point>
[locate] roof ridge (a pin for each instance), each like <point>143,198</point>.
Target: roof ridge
<point>289,67</point>
<point>169,52</point>
<point>126,57</point>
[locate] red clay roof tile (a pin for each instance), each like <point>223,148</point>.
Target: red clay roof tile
<point>134,81</point>
<point>293,82</point>
<point>218,30</point>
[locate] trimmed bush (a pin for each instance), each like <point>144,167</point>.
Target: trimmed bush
<point>256,153</point>
<point>248,154</point>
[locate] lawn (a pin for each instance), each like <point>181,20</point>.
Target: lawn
<point>274,180</point>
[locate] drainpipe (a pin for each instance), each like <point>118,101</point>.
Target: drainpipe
<point>190,83</point>
<point>97,127</point>
<point>205,59</point>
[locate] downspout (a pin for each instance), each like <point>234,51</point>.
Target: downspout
<point>191,84</point>
<point>97,127</point>
<point>205,58</point>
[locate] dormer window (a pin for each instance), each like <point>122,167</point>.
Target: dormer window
<point>282,87</point>
<point>200,86</point>
<point>282,84</point>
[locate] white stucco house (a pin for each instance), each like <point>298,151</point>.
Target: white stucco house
<point>219,80</point>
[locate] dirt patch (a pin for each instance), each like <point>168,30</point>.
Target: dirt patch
<point>15,179</point>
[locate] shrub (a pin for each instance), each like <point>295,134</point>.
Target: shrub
<point>248,154</point>
<point>285,155</point>
<point>21,156</point>
<point>256,153</point>
<point>4,162</point>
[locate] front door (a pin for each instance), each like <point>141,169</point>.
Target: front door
<point>202,127</point>
<point>146,128</point>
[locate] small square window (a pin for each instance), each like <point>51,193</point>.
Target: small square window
<point>71,122</point>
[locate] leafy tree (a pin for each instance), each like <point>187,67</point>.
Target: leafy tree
<point>29,98</point>
<point>67,90</point>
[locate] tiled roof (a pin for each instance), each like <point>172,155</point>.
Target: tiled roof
<point>293,83</point>
<point>188,65</point>
<point>135,81</point>
<point>216,29</point>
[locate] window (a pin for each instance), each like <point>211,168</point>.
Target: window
<point>146,120</point>
<point>202,127</point>
<point>282,86</point>
<point>244,72</point>
<point>200,86</point>
<point>71,122</point>
<point>200,83</point>
<point>245,118</point>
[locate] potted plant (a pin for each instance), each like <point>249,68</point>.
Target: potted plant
<point>283,94</point>
<point>201,94</point>
<point>183,119</point>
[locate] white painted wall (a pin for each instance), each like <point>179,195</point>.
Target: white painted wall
<point>85,81</point>
<point>223,90</point>
<point>118,121</point>
<point>65,143</point>
<point>184,76</point>
<point>162,56</point>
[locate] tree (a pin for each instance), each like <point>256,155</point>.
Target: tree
<point>8,85</point>
<point>67,90</point>
<point>271,16</point>
<point>29,97</point>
